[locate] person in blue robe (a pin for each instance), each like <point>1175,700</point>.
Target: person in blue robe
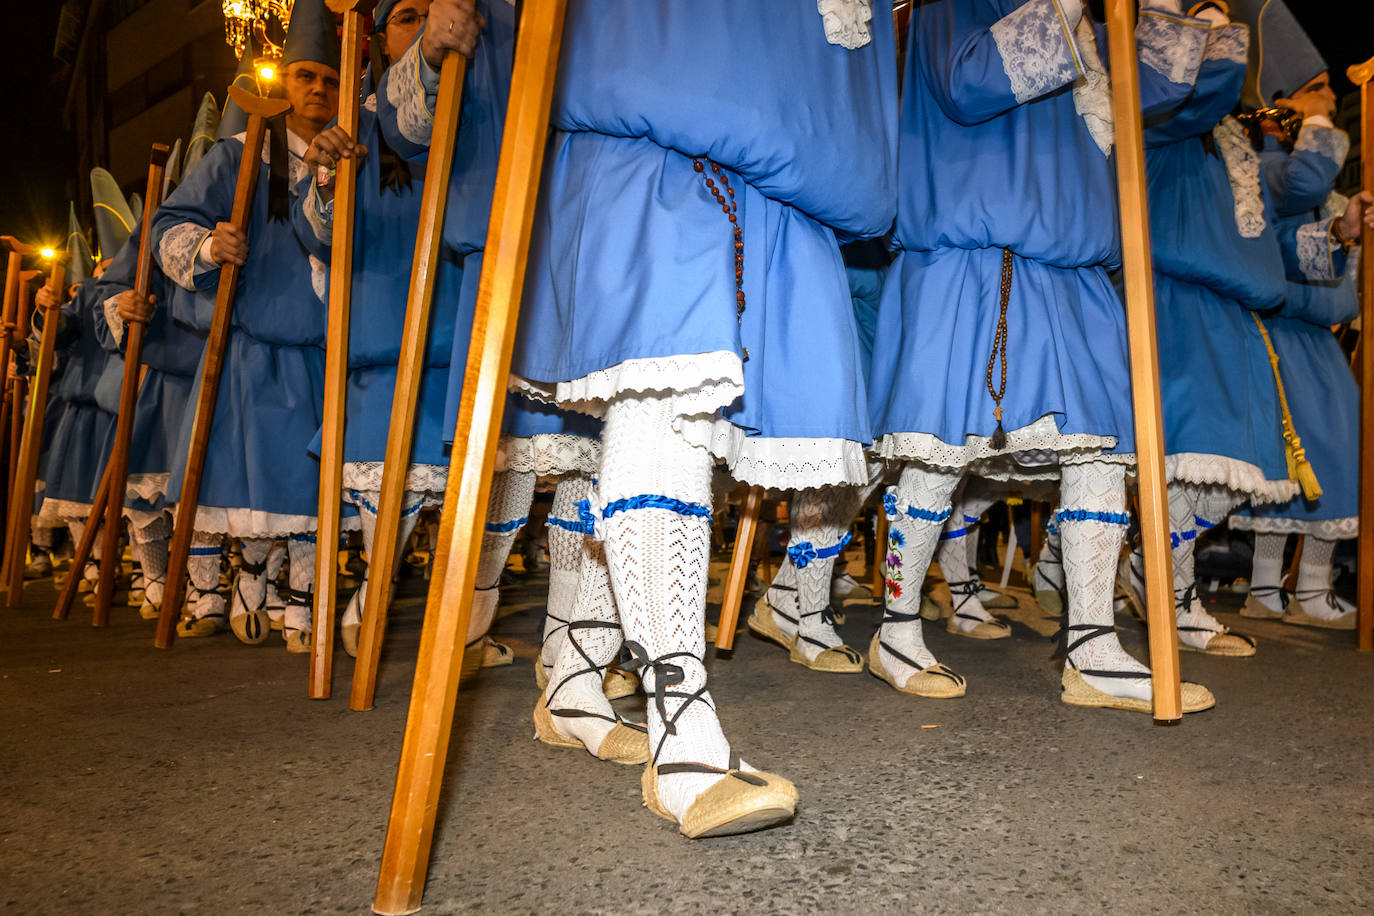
<point>1220,260</point>
<point>1002,343</point>
<point>537,440</point>
<point>685,284</point>
<point>260,482</point>
<point>1299,172</point>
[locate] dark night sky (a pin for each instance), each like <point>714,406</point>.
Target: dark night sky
<point>36,156</point>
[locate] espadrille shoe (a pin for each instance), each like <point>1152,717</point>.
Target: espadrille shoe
<point>617,683</point>
<point>149,611</point>
<point>993,599</point>
<point>982,629</point>
<point>743,801</point>
<point>208,615</point>
<point>845,587</point>
<point>297,641</point>
<point>496,654</point>
<point>763,622</point>
<point>1255,609</point>
<point>1078,692</point>
<point>541,674</point>
<point>626,742</point>
<point>1199,631</point>
<point>1298,615</point>
<point>248,618</point>
<point>839,659</point>
<point>936,682</point>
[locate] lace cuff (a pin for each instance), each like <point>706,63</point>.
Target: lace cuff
<point>1038,52</point>
<point>1243,170</point>
<point>1317,251</point>
<point>112,319</point>
<point>1170,44</point>
<point>1324,141</point>
<point>412,89</point>
<point>847,22</point>
<point>181,254</point>
<point>1230,42</point>
<point>318,214</point>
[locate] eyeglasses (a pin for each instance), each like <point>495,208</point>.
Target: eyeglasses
<point>407,19</point>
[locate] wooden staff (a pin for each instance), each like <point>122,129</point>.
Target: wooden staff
<point>116,475</point>
<point>1362,75</point>
<point>336,357</point>
<point>259,110</point>
<point>16,396</point>
<point>21,510</point>
<point>409,370</point>
<point>419,778</point>
<point>739,570</point>
<point>8,325</point>
<point>1140,322</point>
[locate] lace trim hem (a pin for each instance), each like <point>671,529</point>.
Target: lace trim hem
<point>366,476</point>
<point>1243,170</point>
<point>847,22</point>
<point>1042,435</point>
<point>1331,529</point>
<point>1238,476</point>
<point>548,454</point>
<point>1037,53</point>
<point>250,523</point>
<point>782,463</point>
<point>1324,141</point>
<point>147,487</point>
<point>701,382</point>
<point>55,512</point>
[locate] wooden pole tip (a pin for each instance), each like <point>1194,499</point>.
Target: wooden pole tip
<point>254,104</point>
<point>1359,74</point>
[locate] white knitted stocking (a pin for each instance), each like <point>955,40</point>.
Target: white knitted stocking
<point>565,559</point>
<point>508,508</point>
<point>1266,573</point>
<point>1314,581</point>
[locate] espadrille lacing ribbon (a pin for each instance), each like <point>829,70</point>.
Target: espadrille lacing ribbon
<point>251,569</point>
<point>665,675</point>
<point>671,769</point>
<point>1263,591</point>
<point>1327,596</point>
<point>892,616</point>
<point>968,590</point>
<point>591,666</point>
<point>1184,605</point>
<point>1089,631</point>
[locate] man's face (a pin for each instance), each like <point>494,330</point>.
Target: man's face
<point>313,91</point>
<point>403,25</point>
<point>1320,87</point>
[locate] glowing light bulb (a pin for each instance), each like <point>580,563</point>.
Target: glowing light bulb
<point>48,253</point>
<point>267,72</point>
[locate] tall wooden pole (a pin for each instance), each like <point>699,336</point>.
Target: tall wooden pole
<point>336,357</point>
<point>1140,321</point>
<point>409,370</point>
<point>739,569</point>
<point>116,474</point>
<point>8,325</point>
<point>259,110</point>
<point>1362,75</point>
<point>21,510</point>
<point>419,778</point>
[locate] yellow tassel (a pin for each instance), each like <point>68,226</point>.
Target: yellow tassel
<point>1299,468</point>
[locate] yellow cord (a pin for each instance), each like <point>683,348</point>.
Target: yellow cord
<point>1299,468</point>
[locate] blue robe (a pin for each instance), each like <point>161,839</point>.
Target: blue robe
<point>1220,402</point>
<point>268,407</point>
<point>171,354</point>
<point>996,156</point>
<point>74,457</point>
<point>632,257</point>
<point>1321,390</point>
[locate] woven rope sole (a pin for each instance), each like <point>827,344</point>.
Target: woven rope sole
<point>938,682</point>
<point>1226,645</point>
<point>730,806</point>
<point>986,629</point>
<point>1300,618</point>
<point>1255,609</point>
<point>617,684</point>
<point>761,623</point>
<point>1078,692</point>
<point>831,661</point>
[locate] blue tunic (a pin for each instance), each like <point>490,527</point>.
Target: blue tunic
<point>74,458</point>
<point>632,256</point>
<point>384,229</point>
<point>270,393</point>
<point>1322,395</point>
<point>998,154</point>
<point>1221,413</point>
<point>171,353</point>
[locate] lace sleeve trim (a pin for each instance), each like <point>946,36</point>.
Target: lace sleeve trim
<point>1172,46</point>
<point>1230,42</point>
<point>1324,141</point>
<point>406,92</point>
<point>179,248</point>
<point>1315,251</point>
<point>1243,169</point>
<point>112,319</point>
<point>319,215</point>
<point>1038,54</point>
<point>847,22</point>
